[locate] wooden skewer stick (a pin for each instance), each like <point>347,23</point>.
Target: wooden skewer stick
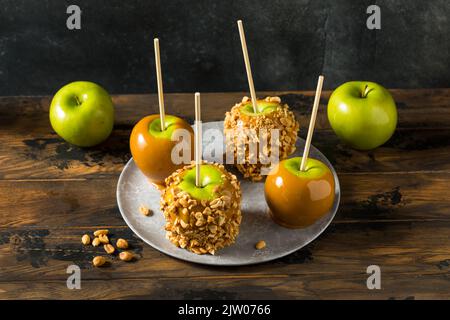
<point>198,139</point>
<point>162,113</point>
<point>312,122</point>
<point>247,65</point>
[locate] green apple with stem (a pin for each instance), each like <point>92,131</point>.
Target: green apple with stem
<point>82,113</point>
<point>262,107</point>
<point>171,123</point>
<point>210,179</point>
<point>363,114</point>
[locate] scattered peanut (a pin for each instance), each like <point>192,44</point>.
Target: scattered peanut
<point>125,256</point>
<point>100,237</point>
<point>122,244</point>
<point>96,242</point>
<point>260,245</point>
<point>109,248</point>
<point>101,232</point>
<point>103,238</point>
<point>85,239</point>
<point>98,261</point>
<point>145,211</point>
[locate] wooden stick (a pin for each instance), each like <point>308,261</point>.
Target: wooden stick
<point>162,113</point>
<point>247,65</point>
<point>198,139</point>
<point>312,122</point>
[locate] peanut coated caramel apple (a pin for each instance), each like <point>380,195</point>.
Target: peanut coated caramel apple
<point>297,199</point>
<point>151,147</point>
<point>204,218</point>
<point>271,114</point>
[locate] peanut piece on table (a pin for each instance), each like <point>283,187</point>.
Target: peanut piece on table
<point>98,261</point>
<point>109,248</point>
<point>122,244</point>
<point>85,239</point>
<point>103,238</point>
<point>99,232</point>
<point>125,256</point>
<point>96,242</point>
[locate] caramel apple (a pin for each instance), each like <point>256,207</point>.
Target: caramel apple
<point>270,114</point>
<point>297,199</point>
<point>203,218</point>
<point>151,147</point>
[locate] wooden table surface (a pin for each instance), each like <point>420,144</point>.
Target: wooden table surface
<point>394,212</point>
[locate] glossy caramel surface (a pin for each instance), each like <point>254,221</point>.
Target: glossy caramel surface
<point>152,154</point>
<point>298,201</point>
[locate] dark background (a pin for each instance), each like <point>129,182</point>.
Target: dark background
<point>290,44</point>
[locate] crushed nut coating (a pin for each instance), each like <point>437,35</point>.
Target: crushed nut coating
<point>202,226</point>
<point>236,121</point>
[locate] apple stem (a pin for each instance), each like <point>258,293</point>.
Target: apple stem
<point>162,113</point>
<point>78,100</point>
<point>312,122</point>
<point>198,139</point>
<point>247,66</point>
<point>366,91</point>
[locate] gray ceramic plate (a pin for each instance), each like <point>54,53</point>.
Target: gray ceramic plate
<point>134,190</point>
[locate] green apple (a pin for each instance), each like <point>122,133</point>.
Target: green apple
<point>171,123</point>
<point>210,178</point>
<point>82,113</point>
<point>263,107</point>
<point>314,168</point>
<point>363,114</point>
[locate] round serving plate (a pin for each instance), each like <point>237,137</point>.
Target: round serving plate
<point>134,190</point>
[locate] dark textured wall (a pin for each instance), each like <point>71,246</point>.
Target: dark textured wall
<point>290,44</point>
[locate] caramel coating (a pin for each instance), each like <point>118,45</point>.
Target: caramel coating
<point>153,155</point>
<point>298,203</point>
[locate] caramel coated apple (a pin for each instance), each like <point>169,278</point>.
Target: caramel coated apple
<point>206,218</point>
<point>297,199</point>
<point>151,148</point>
<point>271,115</point>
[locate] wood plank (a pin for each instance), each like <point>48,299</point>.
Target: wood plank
<point>394,210</point>
<point>92,202</point>
<point>417,108</point>
<point>30,149</point>
<point>401,247</point>
<point>48,157</point>
<point>398,287</point>
<point>408,150</point>
<point>59,203</point>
